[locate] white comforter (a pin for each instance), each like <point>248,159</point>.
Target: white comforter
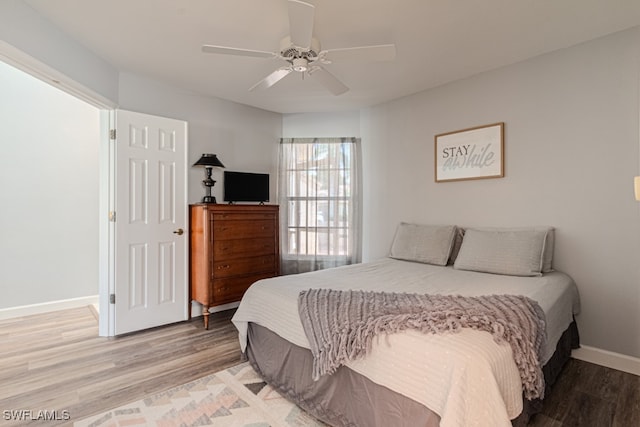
<point>466,378</point>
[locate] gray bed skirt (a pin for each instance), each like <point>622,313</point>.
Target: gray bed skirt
<point>347,398</point>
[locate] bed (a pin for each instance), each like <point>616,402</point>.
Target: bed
<point>410,378</point>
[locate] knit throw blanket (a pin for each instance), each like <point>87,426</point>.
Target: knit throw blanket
<point>341,325</point>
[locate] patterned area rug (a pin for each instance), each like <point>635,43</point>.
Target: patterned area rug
<point>236,397</point>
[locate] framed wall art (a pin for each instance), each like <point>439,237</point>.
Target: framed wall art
<point>474,153</point>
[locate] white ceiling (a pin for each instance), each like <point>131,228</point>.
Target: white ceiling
<point>437,41</point>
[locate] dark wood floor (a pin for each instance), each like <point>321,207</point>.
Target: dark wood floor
<point>56,362</point>
<point>588,395</point>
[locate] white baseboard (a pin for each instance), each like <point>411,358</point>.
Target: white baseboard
<point>219,308</point>
<point>45,307</point>
<point>608,358</point>
<point>196,308</point>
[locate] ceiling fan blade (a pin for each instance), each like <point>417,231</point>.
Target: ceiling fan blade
<point>207,48</point>
<point>301,23</point>
<point>328,80</point>
<point>272,78</point>
<point>384,52</point>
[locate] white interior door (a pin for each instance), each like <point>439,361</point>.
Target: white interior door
<point>151,221</point>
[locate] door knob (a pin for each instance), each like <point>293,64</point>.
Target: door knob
<point>179,232</point>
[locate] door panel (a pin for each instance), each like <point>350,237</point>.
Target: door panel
<point>151,204</point>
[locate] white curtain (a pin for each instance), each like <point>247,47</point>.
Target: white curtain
<point>319,197</point>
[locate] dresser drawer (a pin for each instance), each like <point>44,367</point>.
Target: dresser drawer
<point>243,229</point>
<point>232,289</point>
<point>223,216</point>
<point>235,248</point>
<point>243,266</point>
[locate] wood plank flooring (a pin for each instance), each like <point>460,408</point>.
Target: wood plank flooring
<point>591,396</point>
<point>57,362</point>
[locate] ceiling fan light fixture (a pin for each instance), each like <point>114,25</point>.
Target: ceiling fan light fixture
<point>300,64</point>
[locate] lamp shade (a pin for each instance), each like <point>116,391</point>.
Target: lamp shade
<point>209,160</point>
<point>636,187</point>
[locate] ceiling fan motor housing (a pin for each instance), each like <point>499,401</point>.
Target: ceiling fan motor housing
<point>290,52</point>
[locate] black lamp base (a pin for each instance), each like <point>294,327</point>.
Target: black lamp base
<point>208,183</point>
<point>209,199</point>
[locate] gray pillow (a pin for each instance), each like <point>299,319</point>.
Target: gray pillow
<point>549,243</point>
<point>516,252</point>
<point>429,244</point>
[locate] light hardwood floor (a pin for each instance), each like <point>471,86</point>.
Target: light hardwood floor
<point>56,362</point>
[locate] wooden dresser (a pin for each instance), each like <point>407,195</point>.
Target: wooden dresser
<point>231,246</point>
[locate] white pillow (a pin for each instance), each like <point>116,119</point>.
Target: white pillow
<point>429,244</point>
<point>516,252</point>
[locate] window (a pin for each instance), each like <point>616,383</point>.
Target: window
<point>319,200</point>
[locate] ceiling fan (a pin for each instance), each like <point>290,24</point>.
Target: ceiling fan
<point>302,52</point>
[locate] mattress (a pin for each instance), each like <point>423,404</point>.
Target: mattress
<point>470,376</point>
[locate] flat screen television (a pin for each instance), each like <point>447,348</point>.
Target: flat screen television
<point>246,187</point>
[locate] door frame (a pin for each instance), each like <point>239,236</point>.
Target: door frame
<point>107,230</point>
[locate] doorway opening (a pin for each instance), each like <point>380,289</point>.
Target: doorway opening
<point>50,174</point>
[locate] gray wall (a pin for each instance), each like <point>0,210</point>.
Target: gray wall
<point>49,178</point>
<point>321,125</point>
<point>244,138</point>
<point>571,147</point>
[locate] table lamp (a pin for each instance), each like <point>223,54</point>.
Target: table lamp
<point>208,161</point>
